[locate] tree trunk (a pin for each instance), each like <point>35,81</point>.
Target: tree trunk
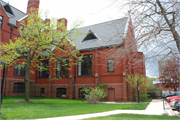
<point>27,91</point>
<point>26,79</point>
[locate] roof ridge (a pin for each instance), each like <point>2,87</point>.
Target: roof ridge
<point>15,8</point>
<point>105,22</point>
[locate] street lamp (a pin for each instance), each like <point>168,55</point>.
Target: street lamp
<point>138,87</point>
<point>1,83</point>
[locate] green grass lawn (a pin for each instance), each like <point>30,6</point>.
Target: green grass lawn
<point>52,107</point>
<point>136,117</point>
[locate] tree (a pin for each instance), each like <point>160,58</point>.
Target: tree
<point>38,40</point>
<point>171,74</point>
<point>132,81</point>
<point>149,82</point>
<point>156,26</point>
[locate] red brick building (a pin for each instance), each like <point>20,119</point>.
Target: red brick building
<point>109,53</point>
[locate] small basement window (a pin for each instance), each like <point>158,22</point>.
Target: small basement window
<point>61,93</point>
<point>81,93</point>
<point>19,88</point>
<point>42,92</point>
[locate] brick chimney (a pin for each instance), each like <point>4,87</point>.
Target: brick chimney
<point>32,4</point>
<point>48,21</point>
<point>63,22</point>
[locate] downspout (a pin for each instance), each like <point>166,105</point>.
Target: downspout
<point>74,79</point>
<point>12,28</point>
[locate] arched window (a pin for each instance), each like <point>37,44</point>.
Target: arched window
<point>61,93</point>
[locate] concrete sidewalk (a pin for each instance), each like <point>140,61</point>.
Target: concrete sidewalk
<point>154,108</point>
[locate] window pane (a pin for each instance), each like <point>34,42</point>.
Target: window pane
<point>19,70</point>
<point>110,65</point>
<point>1,17</point>
<point>79,67</point>
<point>85,66</point>
<point>0,24</point>
<point>62,68</point>
<point>58,70</point>
<point>44,69</point>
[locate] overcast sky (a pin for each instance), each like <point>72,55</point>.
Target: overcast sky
<point>90,11</point>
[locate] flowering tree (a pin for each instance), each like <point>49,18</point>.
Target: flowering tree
<point>38,39</point>
<point>132,81</point>
<point>171,74</point>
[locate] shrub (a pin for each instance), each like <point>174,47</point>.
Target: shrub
<point>143,97</point>
<point>95,95</point>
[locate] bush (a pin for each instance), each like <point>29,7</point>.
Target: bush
<point>95,95</point>
<point>143,97</point>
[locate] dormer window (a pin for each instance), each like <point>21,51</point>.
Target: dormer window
<point>90,36</point>
<point>8,10</point>
<point>1,21</point>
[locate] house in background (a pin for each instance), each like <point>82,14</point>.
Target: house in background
<point>109,52</point>
<point>162,66</point>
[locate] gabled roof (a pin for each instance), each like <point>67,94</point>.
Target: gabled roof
<point>17,14</point>
<point>109,34</point>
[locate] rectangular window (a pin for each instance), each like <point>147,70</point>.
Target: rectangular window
<point>61,93</point>
<point>19,70</point>
<point>1,21</point>
<point>81,93</point>
<point>62,68</point>
<point>19,88</point>
<point>110,64</point>
<point>42,92</point>
<point>21,28</point>
<point>44,69</point>
<point>85,67</point>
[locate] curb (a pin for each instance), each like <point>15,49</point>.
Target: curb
<point>172,112</point>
